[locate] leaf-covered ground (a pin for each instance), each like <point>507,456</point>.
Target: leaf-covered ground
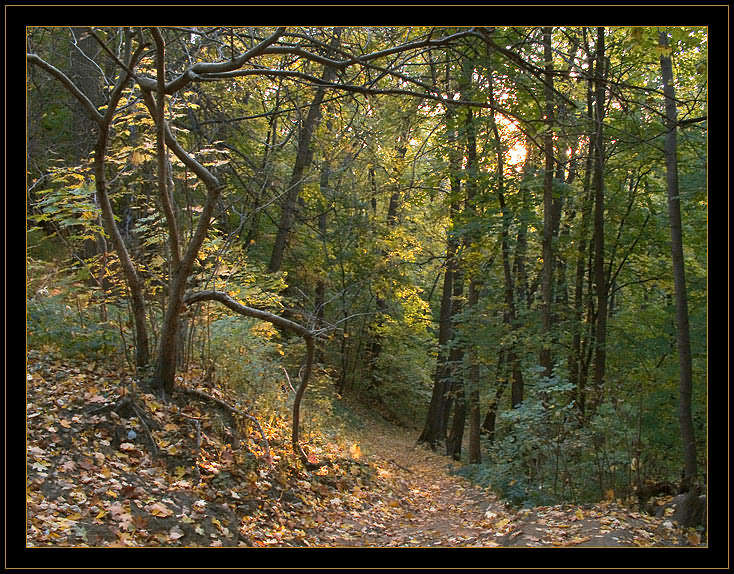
<point>94,479</point>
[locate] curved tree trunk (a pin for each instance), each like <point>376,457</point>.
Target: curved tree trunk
<point>283,323</point>
<point>103,123</point>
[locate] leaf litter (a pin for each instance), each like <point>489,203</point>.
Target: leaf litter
<point>93,481</point>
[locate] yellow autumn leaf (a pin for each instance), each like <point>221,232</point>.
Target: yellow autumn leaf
<point>694,538</point>
<point>355,451</point>
<point>159,509</point>
<point>579,514</point>
<point>136,158</point>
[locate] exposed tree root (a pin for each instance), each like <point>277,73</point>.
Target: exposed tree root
<point>127,406</point>
<point>232,412</point>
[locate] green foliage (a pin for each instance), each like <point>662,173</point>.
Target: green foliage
<point>70,205</point>
<point>377,278</point>
<point>75,330</point>
<point>44,247</point>
<point>402,372</point>
<point>544,456</point>
<point>247,355</point>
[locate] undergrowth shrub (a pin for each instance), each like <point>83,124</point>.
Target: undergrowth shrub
<point>402,373</point>
<point>543,456</point>
<point>248,356</point>
<point>76,331</point>
<point>255,360</point>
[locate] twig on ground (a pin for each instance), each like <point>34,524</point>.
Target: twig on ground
<point>400,466</point>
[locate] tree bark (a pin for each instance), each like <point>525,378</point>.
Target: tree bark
<point>320,289</point>
<point>165,371</point>
<point>303,158</point>
<point>437,420</point>
<point>103,122</point>
<point>576,377</point>
<point>546,360</point>
<point>434,430</point>
<point>510,315</point>
<point>685,416</point>
<point>475,456</point>
<point>456,358</point>
<point>602,288</point>
<point>490,418</point>
<point>472,184</point>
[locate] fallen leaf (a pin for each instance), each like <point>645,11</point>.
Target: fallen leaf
<point>175,533</point>
<point>159,509</point>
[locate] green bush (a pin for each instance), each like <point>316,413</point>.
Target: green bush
<point>403,372</point>
<point>75,332</point>
<point>543,456</point>
<point>245,351</point>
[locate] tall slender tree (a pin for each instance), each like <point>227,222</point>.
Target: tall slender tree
<point>546,360</point>
<point>303,159</point>
<point>600,277</point>
<point>685,416</point>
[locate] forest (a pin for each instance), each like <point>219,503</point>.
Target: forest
<point>366,286</point>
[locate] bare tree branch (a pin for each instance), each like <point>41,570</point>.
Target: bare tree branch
<point>89,107</point>
<point>195,71</point>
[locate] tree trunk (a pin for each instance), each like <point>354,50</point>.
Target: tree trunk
<point>437,420</point>
<point>521,243</point>
<point>546,360</point>
<point>456,435</point>
<point>303,158</point>
<point>320,289</point>
<point>490,418</point>
<point>510,315</point>
<point>88,78</point>
<point>103,124</point>
<point>602,288</point>
<point>436,424</point>
<point>137,298</point>
<point>456,359</point>
<point>679,279</point>
<point>472,184</point>
<point>475,456</point>
<point>165,370</point>
<point>576,359</point>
